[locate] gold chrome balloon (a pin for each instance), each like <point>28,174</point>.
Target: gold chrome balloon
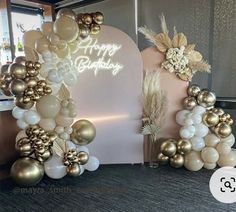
<point>29,64</point>
<point>229,121</point>
<point>32,72</point>
<point>206,98</point>
<point>98,18</point>
<point>193,90</point>
<point>95,29</point>
<point>31,81</point>
<point>37,65</point>
<point>73,170</point>
<point>177,161</point>
<point>83,157</point>
<point>17,71</point>
<point>218,111</point>
<point>44,156</point>
<point>83,132</point>
<point>20,103</point>
<point>189,103</point>
<point>66,12</point>
<point>84,31</point>
<point>87,19</point>
<point>223,130</point>
<point>162,159</point>
<point>168,148</point>
<point>23,146</point>
<point>4,69</point>
<point>210,119</point>
<point>20,59</point>
<point>183,146</point>
<point>27,171</point>
<point>17,87</point>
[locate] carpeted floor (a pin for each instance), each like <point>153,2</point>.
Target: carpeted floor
<point>117,188</point>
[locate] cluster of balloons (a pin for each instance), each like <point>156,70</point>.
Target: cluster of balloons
<point>208,129</point>
<point>49,142</point>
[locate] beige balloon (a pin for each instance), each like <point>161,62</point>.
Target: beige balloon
<point>48,106</point>
<point>30,37</point>
<point>53,38</point>
<point>209,165</point>
<point>227,160</point>
<point>211,140</point>
<point>47,124</point>
<point>193,161</point>
<point>64,121</point>
<point>209,155</point>
<point>62,53</point>
<point>66,28</point>
<point>229,140</point>
<point>66,12</point>
<point>73,46</point>
<point>47,28</point>
<point>42,44</point>
<point>223,148</point>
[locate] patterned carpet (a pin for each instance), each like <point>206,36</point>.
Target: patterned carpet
<point>117,188</point>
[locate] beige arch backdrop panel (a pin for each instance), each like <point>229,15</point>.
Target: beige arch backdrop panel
<point>108,93</point>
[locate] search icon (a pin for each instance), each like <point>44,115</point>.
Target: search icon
<point>227,184</point>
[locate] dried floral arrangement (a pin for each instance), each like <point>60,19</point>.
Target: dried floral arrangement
<point>154,105</point>
<point>180,57</point>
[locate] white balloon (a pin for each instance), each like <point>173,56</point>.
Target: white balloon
<point>54,167</point>
<point>181,116</point>
<point>18,113</point>
<point>70,79</point>
<point>21,124</point>
<point>59,129</point>
<point>20,135</point>
<point>54,76</point>
<point>64,136</point>
<point>197,119</point>
<point>47,124</point>
<point>199,110</point>
<point>188,122</point>
<point>70,145</point>
<point>81,170</point>
<point>55,88</point>
<point>230,140</point>
<point>82,148</point>
<point>187,132</point>
<point>201,130</point>
<point>198,143</point>
<point>31,117</point>
<point>92,164</point>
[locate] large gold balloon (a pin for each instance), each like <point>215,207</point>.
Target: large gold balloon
<point>17,87</point>
<point>168,148</point>
<point>83,132</point>
<point>177,161</point>
<point>210,119</point>
<point>183,146</point>
<point>17,71</point>
<point>20,103</point>
<point>206,98</point>
<point>73,170</point>
<point>66,28</point>
<point>69,13</point>
<point>193,90</point>
<point>98,18</point>
<point>189,103</point>
<point>20,59</point>
<point>27,171</point>
<point>223,130</point>
<point>162,159</point>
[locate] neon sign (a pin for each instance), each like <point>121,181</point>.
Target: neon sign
<point>96,57</point>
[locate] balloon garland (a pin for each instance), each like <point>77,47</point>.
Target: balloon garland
<point>206,134</point>
<point>49,142</point>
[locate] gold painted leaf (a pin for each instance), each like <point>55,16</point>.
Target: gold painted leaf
<point>31,54</point>
<point>189,48</point>
<point>163,42</point>
<point>64,93</point>
<point>194,56</point>
<point>179,40</point>
<point>187,76</point>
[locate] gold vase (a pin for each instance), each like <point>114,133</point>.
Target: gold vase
<point>152,151</point>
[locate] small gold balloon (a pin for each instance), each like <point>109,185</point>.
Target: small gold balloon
<point>17,87</point>
<point>31,81</point>
<point>210,119</point>
<point>218,111</point>
<point>98,18</point>
<point>189,103</point>
<point>32,72</point>
<point>23,146</point>
<point>95,29</point>
<point>46,155</point>
<point>206,98</point>
<point>47,90</point>
<point>27,171</point>
<point>83,132</point>
<point>26,99</point>
<point>37,65</point>
<point>87,19</point>
<point>162,159</point>
<point>83,157</point>
<point>29,64</point>
<point>42,83</point>
<point>168,148</point>
<point>229,121</point>
<point>183,146</point>
<point>177,161</point>
<point>223,130</point>
<point>84,31</point>
<point>20,59</point>
<point>20,103</point>
<point>73,170</point>
<point>193,90</point>
<point>17,71</point>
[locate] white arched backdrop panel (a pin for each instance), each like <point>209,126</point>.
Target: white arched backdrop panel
<point>108,94</point>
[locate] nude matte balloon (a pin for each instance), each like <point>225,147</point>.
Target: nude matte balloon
<point>193,161</point>
<point>66,28</point>
<point>223,148</point>
<point>209,155</point>
<point>229,140</point>
<point>42,44</point>
<point>227,160</point>
<point>211,140</point>
<point>30,37</point>
<point>64,120</point>
<point>62,53</point>
<point>47,124</point>
<point>48,106</point>
<point>47,28</point>
<point>209,165</point>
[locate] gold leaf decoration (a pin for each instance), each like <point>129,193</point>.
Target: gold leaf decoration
<point>194,56</point>
<point>189,48</point>
<point>179,40</point>
<point>187,76</point>
<point>31,54</point>
<point>163,42</point>
<point>64,93</point>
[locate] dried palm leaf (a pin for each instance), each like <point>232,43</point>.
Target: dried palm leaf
<point>149,34</point>
<point>179,40</point>
<point>163,42</point>
<point>163,24</point>
<point>175,31</point>
<point>64,93</point>
<point>200,66</point>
